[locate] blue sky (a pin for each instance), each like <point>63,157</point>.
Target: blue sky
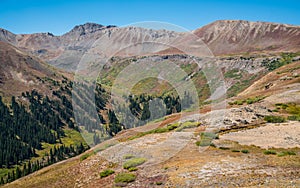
<point>60,16</point>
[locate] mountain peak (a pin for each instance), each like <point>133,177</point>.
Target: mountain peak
<point>237,36</point>
<point>88,28</point>
<point>88,25</point>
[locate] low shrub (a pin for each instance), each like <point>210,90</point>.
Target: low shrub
<point>134,162</point>
<point>160,130</point>
<point>276,63</point>
<point>159,183</point>
<point>245,151</point>
<point>187,125</point>
<point>291,108</point>
<point>235,150</point>
<point>205,142</point>
<point>206,139</point>
<point>239,102</point>
<point>125,178</point>
<point>281,105</point>
<point>172,126</point>
<point>274,119</point>
<point>106,173</point>
<point>294,118</point>
<point>198,143</point>
<point>270,152</point>
<point>223,148</point>
<point>128,156</point>
<point>209,135</point>
<point>249,100</point>
<point>131,169</point>
<point>254,100</point>
<point>285,153</point>
<point>85,156</point>
<point>234,73</point>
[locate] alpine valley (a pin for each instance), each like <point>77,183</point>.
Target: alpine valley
<point>61,125</point>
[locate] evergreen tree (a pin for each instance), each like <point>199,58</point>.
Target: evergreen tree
<point>18,172</point>
<point>1,181</point>
<point>96,139</point>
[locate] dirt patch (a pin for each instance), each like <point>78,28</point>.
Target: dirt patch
<point>284,135</point>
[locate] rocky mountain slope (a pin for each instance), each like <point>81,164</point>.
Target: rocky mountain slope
<point>231,37</point>
<point>66,51</point>
<point>221,37</point>
<point>187,151</point>
<point>19,71</point>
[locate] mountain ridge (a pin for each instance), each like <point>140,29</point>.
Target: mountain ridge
<point>244,36</point>
<point>87,25</point>
<point>221,37</point>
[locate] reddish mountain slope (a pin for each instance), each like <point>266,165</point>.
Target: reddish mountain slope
<point>230,37</point>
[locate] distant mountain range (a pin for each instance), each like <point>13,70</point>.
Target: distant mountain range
<point>221,37</point>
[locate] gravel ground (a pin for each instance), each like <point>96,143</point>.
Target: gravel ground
<point>285,135</point>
